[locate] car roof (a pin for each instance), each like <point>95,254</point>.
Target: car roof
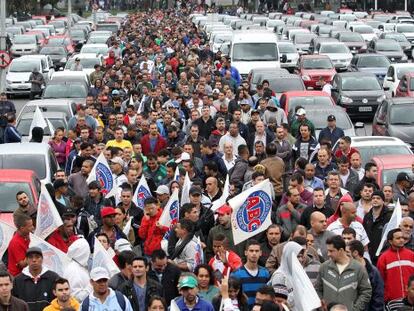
<point>359,141</point>
<point>46,114</point>
<point>314,56</point>
<point>368,55</point>
<point>355,74</point>
<point>84,55</point>
<point>23,148</point>
<point>49,102</point>
<point>306,93</point>
<point>394,161</point>
<point>16,175</point>
<point>285,76</point>
<point>401,100</point>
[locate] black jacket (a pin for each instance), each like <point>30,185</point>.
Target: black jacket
<point>216,302</point>
<point>153,288</point>
<point>361,184</point>
<point>169,281</point>
<point>36,295</point>
<point>16,304</point>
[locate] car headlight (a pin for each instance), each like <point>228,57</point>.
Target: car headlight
<point>306,78</point>
<point>381,98</point>
<point>346,100</point>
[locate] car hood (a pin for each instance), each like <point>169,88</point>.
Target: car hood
<point>318,72</point>
<point>23,46</point>
<point>403,132</point>
<point>391,53</point>
<point>375,70</point>
<point>363,93</point>
<point>338,55</point>
<point>18,76</point>
<point>57,57</point>
<point>355,43</point>
<point>245,67</point>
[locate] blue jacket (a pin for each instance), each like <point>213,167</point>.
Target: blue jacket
<point>333,136</point>
<point>377,298</point>
<point>11,135</point>
<point>201,305</point>
<point>234,74</point>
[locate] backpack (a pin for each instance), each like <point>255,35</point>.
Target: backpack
<point>119,296</point>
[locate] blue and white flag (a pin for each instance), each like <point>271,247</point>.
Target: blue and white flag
<point>394,223</point>
<point>199,255</point>
<point>177,174</point>
<point>251,211</point>
<point>185,193</point>
<point>101,258</point>
<point>102,173</point>
<point>222,200</point>
<point>53,258</point>
<point>6,234</point>
<point>141,193</point>
<point>48,218</point>
<point>170,214</point>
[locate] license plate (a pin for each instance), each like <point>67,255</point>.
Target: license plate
<point>365,109</point>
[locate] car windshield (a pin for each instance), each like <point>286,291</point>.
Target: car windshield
<point>98,40</point>
<point>364,29</point>
<point>24,39</point>
<point>8,194</point>
<point>373,61</point>
<point>26,66</point>
<point>396,36</point>
<point>309,101</point>
<point>319,63</point>
<point>58,108</point>
<point>55,42</point>
<point>318,118</point>
<point>27,161</point>
<point>388,46</point>
<point>94,49</point>
<point>333,48</point>
<point>286,48</point>
<point>399,115</point>
<point>403,70</point>
<point>368,152</point>
<point>65,91</point>
<point>351,37</point>
<point>76,34</point>
<point>24,126</point>
<point>245,52</point>
<point>86,63</point>
<point>390,176</point>
<point>58,24</point>
<point>53,50</point>
<point>324,30</point>
<point>285,84</point>
<point>363,83</point>
<point>222,38</point>
<point>301,39</point>
<point>405,28</point>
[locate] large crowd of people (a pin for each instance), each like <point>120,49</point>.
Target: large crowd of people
<point>164,100</point>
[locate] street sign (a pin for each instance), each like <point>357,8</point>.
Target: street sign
<point>5,59</point>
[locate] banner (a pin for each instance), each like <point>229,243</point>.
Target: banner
<point>6,234</point>
<point>199,256</point>
<point>102,173</point>
<point>48,218</point>
<point>101,258</point>
<point>127,227</point>
<point>170,214</point>
<point>251,211</point>
<point>53,258</point>
<point>222,200</point>
<point>185,194</point>
<point>394,223</point>
<point>142,192</point>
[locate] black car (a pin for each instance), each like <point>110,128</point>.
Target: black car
<point>58,54</point>
<point>353,41</point>
<point>401,39</point>
<point>358,92</point>
<point>390,48</point>
<point>374,63</point>
<point>395,117</point>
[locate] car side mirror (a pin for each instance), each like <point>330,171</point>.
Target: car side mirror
<point>359,125</point>
<point>284,58</point>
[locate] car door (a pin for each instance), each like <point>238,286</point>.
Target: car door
<point>335,89</point>
<point>380,120</point>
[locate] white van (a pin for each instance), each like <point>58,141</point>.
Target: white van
<point>254,49</point>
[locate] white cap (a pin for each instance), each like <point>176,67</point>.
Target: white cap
<point>185,156</point>
<point>163,189</point>
<point>122,245</point>
<point>99,273</point>
<point>117,160</point>
<point>300,112</point>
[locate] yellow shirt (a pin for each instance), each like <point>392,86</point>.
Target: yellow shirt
<point>54,305</point>
<point>123,144</point>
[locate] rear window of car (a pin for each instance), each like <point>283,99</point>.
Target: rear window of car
<point>8,191</point>
<point>34,162</point>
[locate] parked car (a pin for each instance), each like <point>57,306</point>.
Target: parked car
<point>285,82</point>
<point>374,63</point>
<point>390,48</point>
<point>292,56</point>
<point>390,165</point>
<point>401,39</point>
<point>312,67</point>
<point>88,62</point>
<point>338,52</point>
<point>394,74</point>
<point>259,74</point>
<point>94,48</point>
<point>66,106</point>
<point>24,45</point>
<point>58,54</point>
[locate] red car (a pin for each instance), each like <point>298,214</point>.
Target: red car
<point>312,67</point>
<point>390,165</point>
<point>62,40</point>
<point>290,100</point>
<point>41,38</point>
<point>12,181</point>
<point>406,86</point>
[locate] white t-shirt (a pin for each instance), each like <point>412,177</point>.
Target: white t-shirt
<point>361,235</point>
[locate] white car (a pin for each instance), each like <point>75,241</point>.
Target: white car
<point>87,60</point>
<point>338,52</point>
<point>407,30</point>
<point>218,38</point>
<point>394,74</point>
<point>24,45</point>
<point>292,56</point>
<point>97,48</point>
<point>366,31</point>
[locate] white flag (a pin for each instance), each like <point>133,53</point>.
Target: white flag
<point>6,234</point>
<point>170,214</point>
<point>394,223</point>
<point>185,194</point>
<point>222,200</point>
<point>53,258</point>
<point>127,227</point>
<point>48,218</point>
<point>131,101</point>
<point>38,120</point>
<point>251,211</point>
<point>141,193</point>
<point>102,173</point>
<point>101,258</point>
<point>51,127</point>
<point>174,306</point>
<point>177,174</point>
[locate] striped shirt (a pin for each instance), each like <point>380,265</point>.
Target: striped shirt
<point>251,283</point>
<point>401,304</point>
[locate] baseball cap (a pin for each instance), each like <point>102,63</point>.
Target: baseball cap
<point>107,211</point>
<point>115,92</point>
<point>188,281</point>
<point>59,183</point>
<point>195,190</point>
<point>281,290</point>
<point>301,112</point>
<point>162,189</point>
<point>224,209</point>
<point>331,117</point>
<point>34,250</point>
<point>99,273</point>
<point>122,245</point>
<point>403,176</point>
<point>216,91</point>
<point>68,211</point>
<point>254,111</point>
<point>117,160</point>
<point>185,156</point>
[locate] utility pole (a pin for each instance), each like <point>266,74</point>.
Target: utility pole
<point>3,46</point>
<point>69,16</point>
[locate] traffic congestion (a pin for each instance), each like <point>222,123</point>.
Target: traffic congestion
<point>204,157</point>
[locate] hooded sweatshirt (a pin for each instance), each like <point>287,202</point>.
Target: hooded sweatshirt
<point>76,272</point>
<point>54,305</point>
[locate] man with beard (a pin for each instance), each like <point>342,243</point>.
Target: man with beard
<point>63,299</point>
<point>25,206</point>
<point>189,299</point>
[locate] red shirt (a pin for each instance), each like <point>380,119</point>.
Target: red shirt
<point>351,151</point>
<point>57,241</point>
<point>17,252</point>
